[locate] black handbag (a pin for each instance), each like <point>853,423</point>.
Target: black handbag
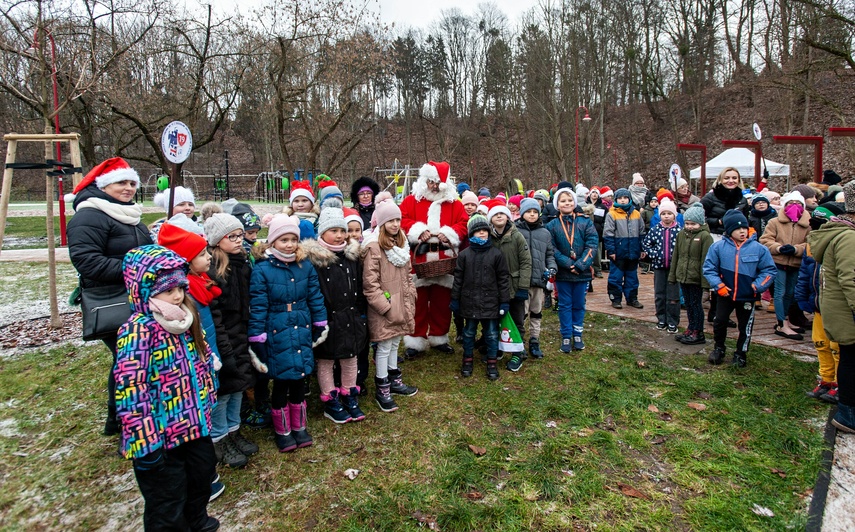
<point>105,309</point>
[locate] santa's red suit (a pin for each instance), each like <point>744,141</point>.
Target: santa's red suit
<point>438,213</point>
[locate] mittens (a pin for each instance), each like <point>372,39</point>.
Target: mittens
<point>504,308</point>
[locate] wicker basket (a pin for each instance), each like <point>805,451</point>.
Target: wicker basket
<point>438,268</point>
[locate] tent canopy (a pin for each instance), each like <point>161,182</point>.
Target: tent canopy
<point>743,160</point>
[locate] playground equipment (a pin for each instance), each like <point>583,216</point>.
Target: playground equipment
<point>398,179</point>
<point>158,182</point>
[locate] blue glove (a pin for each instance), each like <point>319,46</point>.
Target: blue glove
<point>521,295</point>
<point>153,461</point>
<point>504,308</point>
<point>454,305</point>
<point>788,249</point>
<point>260,350</point>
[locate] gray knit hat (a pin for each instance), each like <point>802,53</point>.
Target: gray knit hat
<point>528,204</point>
<point>219,225</point>
<point>849,196</point>
<point>476,223</point>
<point>330,218</point>
<point>696,214</point>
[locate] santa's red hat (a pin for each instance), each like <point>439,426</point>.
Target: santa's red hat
<point>436,171</point>
<point>108,172</point>
<point>301,189</point>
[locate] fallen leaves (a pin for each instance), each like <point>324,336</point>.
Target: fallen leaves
<point>778,472</point>
<point>658,440</point>
<point>665,416</point>
<point>474,495</point>
<point>641,364</point>
<point>478,451</point>
<point>351,473</point>
<point>629,491</point>
<point>652,408</point>
<point>37,332</point>
<point>428,521</point>
<point>700,407</point>
<point>762,511</point>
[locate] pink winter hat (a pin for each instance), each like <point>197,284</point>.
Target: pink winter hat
<point>282,224</point>
<point>516,199</point>
<point>666,205</point>
<point>385,211</point>
<point>469,197</point>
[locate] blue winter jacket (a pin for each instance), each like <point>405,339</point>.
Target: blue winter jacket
<point>807,287</point>
<point>285,299</point>
<point>206,320</point>
<point>747,270</point>
<point>580,251</point>
<point>659,244</point>
<point>656,218</point>
<point>622,233</point>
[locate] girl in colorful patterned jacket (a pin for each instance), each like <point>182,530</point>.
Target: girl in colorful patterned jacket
<point>165,393</point>
<point>659,243</point>
<point>287,314</point>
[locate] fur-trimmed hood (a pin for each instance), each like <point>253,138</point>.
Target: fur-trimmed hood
<point>321,257</point>
<point>363,182</point>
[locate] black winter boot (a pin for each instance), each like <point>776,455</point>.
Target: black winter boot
<point>333,410</point>
<point>383,395</point>
<point>716,356</point>
<point>397,386</point>
<point>492,370</point>
<point>739,360</point>
<point>466,368</point>
<point>350,403</point>
<point>534,348</point>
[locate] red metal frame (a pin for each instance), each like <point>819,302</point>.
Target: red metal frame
<point>841,131</point>
<point>817,150</point>
<point>703,149</point>
<point>758,153</point>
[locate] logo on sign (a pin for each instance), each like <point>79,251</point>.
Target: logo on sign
<point>176,142</point>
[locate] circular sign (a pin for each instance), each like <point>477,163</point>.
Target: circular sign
<point>757,133</point>
<point>674,175</point>
<point>176,142</point>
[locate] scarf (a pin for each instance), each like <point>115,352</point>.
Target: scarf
<point>334,249</point>
<point>202,288</point>
<point>312,217</point>
<point>794,211</point>
<point>684,198</point>
<point>398,256</point>
<point>638,194</point>
<point>125,214</point>
<point>479,244</point>
<point>284,257</point>
<point>175,319</point>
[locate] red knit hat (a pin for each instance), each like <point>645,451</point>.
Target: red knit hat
<point>352,215</point>
<point>181,241</point>
<point>664,193</point>
<point>108,172</point>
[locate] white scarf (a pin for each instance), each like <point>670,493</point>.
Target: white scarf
<point>174,325</point>
<point>126,214</point>
<point>398,256</point>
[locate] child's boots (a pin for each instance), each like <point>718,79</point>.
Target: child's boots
<point>739,360</point>
<point>350,403</point>
<point>383,395</point>
<point>466,368</point>
<point>716,356</point>
<point>492,369</point>
<point>298,424</point>
<point>333,409</point>
<point>534,348</point>
<point>285,442</point>
<point>397,386</point>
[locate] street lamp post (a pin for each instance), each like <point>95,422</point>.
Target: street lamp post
<point>58,148</point>
<point>587,118</point>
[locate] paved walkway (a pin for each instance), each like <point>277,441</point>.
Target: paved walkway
<point>764,322</point>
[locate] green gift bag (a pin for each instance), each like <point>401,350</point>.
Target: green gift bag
<point>510,340</point>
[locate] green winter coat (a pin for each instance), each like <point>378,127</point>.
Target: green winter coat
<point>687,262</point>
<point>833,246</point>
<point>515,250</point>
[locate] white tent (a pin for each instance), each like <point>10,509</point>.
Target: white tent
<point>743,160</point>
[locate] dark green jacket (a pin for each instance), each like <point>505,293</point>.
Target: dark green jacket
<point>833,246</point>
<point>687,262</point>
<point>515,250</point>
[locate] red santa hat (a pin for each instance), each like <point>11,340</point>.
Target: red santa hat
<point>188,245</point>
<point>352,215</point>
<point>436,171</point>
<point>108,172</point>
<point>606,192</point>
<point>301,189</point>
<point>495,207</point>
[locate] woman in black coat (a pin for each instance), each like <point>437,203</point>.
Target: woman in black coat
<point>105,226</point>
<point>362,194</point>
<point>726,194</point>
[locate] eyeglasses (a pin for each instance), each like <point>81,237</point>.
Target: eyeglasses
<point>235,237</point>
<point>366,193</point>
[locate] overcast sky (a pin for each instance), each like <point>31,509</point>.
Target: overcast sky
<point>403,13</point>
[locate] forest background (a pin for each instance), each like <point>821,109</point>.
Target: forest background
<point>325,85</point>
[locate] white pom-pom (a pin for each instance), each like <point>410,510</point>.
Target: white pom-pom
<point>69,198</point>
<point>382,196</point>
<point>266,219</point>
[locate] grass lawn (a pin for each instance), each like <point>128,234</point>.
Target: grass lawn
<point>604,439</point>
<point>29,232</point>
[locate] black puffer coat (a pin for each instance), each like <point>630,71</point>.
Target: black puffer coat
<point>718,201</point>
<point>481,282</point>
<point>599,216</point>
<point>231,318</point>
<point>539,241</point>
<point>97,243</point>
<point>365,212</point>
<point>340,276</point>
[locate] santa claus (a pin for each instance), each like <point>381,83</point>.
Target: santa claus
<point>435,223</point>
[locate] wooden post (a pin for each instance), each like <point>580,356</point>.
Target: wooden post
<point>11,150</point>
<point>76,161</point>
<point>174,173</point>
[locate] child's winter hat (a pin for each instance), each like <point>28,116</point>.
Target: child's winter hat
<point>623,193</point>
<point>830,177</point>
<point>330,218</point>
<point>301,189</point>
<point>696,214</point>
<point>462,187</point>
<point>497,206</point>
<point>542,195</point>
<point>606,192</point>
<point>181,241</point>
<point>469,197</point>
<point>772,195</point>
<point>806,192</point>
<point>516,199</point>
<point>528,204</point>
<point>352,215</point>
<point>161,199</point>
<point>823,213</point>
<point>386,211</point>
<point>849,196</point>
<point>169,279</point>
<point>667,206</point>
<point>477,223</point>
<point>108,172</point>
<point>733,220</point>
<point>559,192</point>
<point>327,191</point>
<point>282,224</point>
<point>664,193</point>
<point>757,198</point>
<point>582,193</point>
<point>220,225</point>
<point>229,205</point>
<point>637,178</point>
<point>247,217</point>
<point>680,183</point>
<point>792,196</point>
<point>484,191</point>
<point>501,197</point>
<point>483,209</point>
